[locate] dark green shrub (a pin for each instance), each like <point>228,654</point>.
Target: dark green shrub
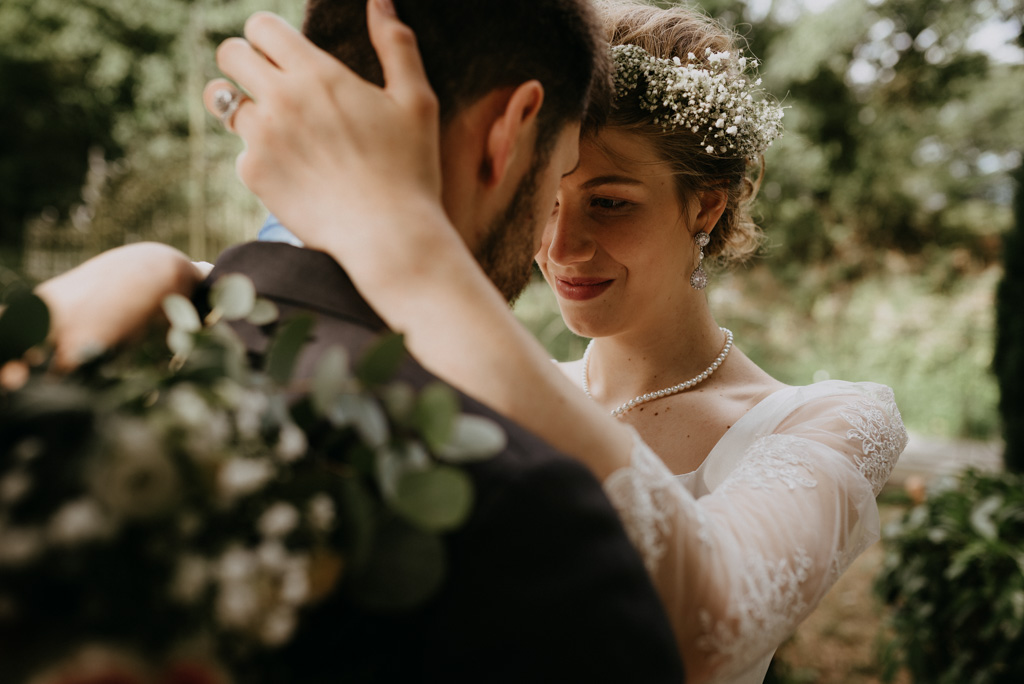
<point>953,576</point>
<point>1009,357</point>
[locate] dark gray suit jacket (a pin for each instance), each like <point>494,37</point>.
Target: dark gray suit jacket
<point>542,585</point>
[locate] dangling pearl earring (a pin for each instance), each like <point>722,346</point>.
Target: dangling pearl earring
<point>699,278</point>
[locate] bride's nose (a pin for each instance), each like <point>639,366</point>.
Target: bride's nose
<point>566,240</point>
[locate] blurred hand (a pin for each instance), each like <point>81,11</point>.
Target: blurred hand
<point>325,147</point>
<point>113,298</point>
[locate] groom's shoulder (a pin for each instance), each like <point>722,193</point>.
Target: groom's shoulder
<point>278,269</point>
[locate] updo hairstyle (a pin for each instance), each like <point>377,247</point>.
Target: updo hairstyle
<point>678,32</point>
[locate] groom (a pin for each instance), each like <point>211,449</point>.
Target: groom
<point>543,584</point>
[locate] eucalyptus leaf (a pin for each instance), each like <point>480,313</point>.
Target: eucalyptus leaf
<point>233,296</point>
<point>264,312</point>
<point>24,324</point>
<point>405,568</point>
<point>434,414</point>
<point>285,347</point>
<point>435,500</point>
<point>370,421</point>
<point>380,363</point>
<point>474,438</point>
<point>362,413</point>
<point>235,361</point>
<point>330,379</point>
<point>399,399</point>
<point>181,314</point>
<point>416,456</point>
<point>181,342</point>
<point>392,462</point>
<point>388,469</point>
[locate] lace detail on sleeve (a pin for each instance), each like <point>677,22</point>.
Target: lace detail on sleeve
<point>875,422</point>
<point>641,493</point>
<point>763,610</point>
<point>771,460</point>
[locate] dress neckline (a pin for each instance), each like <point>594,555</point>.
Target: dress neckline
<point>742,429</point>
<point>738,426</point>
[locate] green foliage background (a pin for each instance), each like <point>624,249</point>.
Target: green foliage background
<point>952,579</point>
<point>884,203</point>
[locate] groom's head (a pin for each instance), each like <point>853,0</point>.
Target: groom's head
<point>514,79</point>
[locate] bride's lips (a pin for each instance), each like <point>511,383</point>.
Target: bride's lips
<point>580,289</point>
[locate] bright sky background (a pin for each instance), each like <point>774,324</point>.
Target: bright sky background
<point>994,37</point>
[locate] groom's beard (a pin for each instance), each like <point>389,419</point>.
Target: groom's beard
<point>506,252</point>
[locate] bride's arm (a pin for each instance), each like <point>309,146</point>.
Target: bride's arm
<point>373,203</point>
<point>113,297</point>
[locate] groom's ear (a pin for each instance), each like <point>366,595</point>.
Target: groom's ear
<point>513,130</point>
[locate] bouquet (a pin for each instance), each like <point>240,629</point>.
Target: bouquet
<point>170,514</point>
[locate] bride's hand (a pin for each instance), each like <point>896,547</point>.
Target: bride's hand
<point>113,298</point>
<point>325,147</point>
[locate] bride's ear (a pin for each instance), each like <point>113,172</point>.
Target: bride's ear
<point>512,132</point>
<point>710,209</point>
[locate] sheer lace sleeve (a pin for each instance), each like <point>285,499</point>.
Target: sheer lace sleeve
<point>740,567</point>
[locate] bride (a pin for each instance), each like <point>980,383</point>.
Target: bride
<point>746,498</point>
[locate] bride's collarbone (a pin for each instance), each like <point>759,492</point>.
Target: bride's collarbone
<point>683,429</point>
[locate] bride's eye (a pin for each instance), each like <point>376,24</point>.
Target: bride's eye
<point>608,204</point>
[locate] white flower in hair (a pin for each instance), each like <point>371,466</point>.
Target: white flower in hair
<point>737,118</point>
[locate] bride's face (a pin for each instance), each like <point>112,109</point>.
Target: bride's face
<point>617,250</point>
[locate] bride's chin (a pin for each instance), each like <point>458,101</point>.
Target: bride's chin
<point>583,328</point>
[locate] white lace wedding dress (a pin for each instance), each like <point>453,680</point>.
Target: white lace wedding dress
<point>743,548</point>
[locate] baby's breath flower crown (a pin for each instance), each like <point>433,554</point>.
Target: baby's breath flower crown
<point>714,97</point>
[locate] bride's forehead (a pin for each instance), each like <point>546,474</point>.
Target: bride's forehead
<point>618,150</point>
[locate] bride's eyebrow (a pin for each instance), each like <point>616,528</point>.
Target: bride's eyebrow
<point>604,180</point>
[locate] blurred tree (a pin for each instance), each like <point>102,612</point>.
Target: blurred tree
<point>900,132</point>
<point>1009,357</point>
<point>55,107</point>
<point>122,77</point>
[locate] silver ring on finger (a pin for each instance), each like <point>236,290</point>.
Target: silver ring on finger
<point>226,102</point>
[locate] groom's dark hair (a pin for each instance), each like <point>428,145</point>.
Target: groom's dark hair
<point>471,47</point>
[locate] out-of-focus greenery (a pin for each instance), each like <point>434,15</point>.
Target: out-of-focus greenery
<point>106,140</point>
<point>952,577</point>
<point>884,203</point>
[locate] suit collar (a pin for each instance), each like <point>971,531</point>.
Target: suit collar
<point>303,277</point>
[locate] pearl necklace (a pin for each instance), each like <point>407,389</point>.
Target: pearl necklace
<point>668,391</point>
